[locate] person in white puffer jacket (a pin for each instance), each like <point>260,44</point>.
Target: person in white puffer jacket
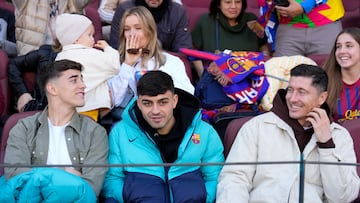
<point>297,128</point>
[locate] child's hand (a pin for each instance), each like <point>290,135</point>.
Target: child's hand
<point>101,44</point>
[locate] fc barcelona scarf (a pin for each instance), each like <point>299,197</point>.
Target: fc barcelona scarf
<point>239,72</point>
<point>245,87</point>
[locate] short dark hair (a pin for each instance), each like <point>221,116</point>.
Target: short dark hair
<point>318,75</point>
<point>154,83</point>
<point>54,70</point>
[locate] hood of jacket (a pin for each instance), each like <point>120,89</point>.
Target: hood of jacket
<point>281,110</point>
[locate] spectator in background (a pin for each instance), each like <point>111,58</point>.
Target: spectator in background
<point>297,128</point>
<point>58,136</point>
<point>163,125</point>
<point>7,32</point>
<point>308,27</point>
<point>75,39</point>
<point>35,21</point>
<point>29,98</point>
<point>106,11</point>
<point>171,21</point>
<point>225,27</point>
<point>343,68</point>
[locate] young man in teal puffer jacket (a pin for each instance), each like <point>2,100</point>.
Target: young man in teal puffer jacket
<point>163,125</point>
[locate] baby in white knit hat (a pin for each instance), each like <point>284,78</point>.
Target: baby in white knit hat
<point>75,34</point>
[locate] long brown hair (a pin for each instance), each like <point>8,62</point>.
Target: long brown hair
<point>333,69</point>
<point>149,25</point>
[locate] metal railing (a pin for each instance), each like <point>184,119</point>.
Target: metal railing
<point>301,164</point>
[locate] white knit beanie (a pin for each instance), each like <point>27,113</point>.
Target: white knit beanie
<point>69,27</point>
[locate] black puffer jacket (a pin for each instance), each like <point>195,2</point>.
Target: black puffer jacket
<point>34,61</point>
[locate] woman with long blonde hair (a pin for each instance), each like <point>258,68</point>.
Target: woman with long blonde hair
<point>140,51</point>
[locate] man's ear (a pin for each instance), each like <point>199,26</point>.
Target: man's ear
<point>51,88</point>
<point>322,97</point>
<point>176,99</point>
<point>138,103</point>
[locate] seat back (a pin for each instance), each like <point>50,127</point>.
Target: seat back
<point>352,13</point>
<point>6,5</point>
<point>232,131</point>
<point>94,4</point>
<point>9,124</point>
<point>91,11</point>
<point>319,58</point>
<point>353,126</point>
<point>4,60</point>
<point>194,9</point>
<point>253,7</point>
<point>186,63</point>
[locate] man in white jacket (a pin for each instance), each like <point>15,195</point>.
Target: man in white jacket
<point>298,127</point>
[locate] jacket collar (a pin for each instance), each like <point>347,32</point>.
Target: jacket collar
<point>74,46</point>
<point>225,24</point>
<point>75,121</point>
